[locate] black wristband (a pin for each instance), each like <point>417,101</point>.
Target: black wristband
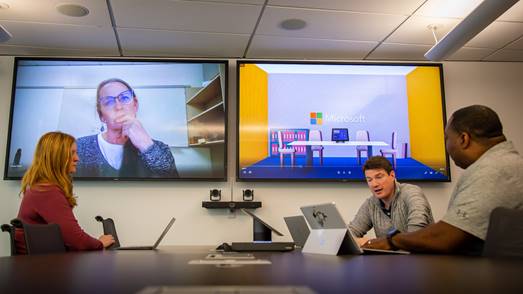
<point>390,235</point>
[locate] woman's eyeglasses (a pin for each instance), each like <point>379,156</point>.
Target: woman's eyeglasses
<point>124,98</point>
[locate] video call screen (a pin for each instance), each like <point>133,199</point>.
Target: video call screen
<point>132,119</point>
<point>291,117</point>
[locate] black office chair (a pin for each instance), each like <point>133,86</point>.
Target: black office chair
<point>109,229</point>
<point>11,230</point>
<point>505,233</point>
<point>41,239</point>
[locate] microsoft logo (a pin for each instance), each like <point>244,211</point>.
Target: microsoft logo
<point>316,118</point>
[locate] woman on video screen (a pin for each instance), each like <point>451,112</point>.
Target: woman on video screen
<point>124,149</point>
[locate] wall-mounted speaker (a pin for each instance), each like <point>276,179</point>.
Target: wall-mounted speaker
<point>248,194</point>
<point>215,195</point>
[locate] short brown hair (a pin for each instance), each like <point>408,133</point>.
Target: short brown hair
<point>378,162</point>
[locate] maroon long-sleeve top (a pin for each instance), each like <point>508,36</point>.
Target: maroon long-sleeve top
<point>48,205</point>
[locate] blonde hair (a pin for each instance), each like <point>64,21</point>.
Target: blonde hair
<point>50,165</point>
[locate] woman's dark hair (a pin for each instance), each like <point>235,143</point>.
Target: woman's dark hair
<point>378,162</point>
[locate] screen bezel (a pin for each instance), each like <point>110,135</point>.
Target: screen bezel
<point>223,62</point>
<point>238,100</point>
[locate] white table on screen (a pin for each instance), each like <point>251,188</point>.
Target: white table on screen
<point>369,145</point>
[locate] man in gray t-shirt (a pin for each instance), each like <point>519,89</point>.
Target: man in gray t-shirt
<point>493,177</point>
<point>392,205</point>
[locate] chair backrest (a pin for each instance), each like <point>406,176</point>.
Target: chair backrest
<point>109,229</point>
<point>11,231</point>
<point>505,233</point>
<point>315,135</point>
<point>362,135</point>
<point>41,239</point>
<point>393,140</point>
<point>280,140</point>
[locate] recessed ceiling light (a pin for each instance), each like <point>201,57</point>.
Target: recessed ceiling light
<point>293,24</point>
<point>73,10</point>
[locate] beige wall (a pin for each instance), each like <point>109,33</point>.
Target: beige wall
<point>141,209</point>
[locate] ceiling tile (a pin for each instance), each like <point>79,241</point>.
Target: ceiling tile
<point>192,16</point>
<point>518,44</point>
<point>252,2</point>
<point>285,47</point>
<point>171,43</point>
<point>515,13</point>
<point>400,52</point>
<point>43,51</point>
<point>326,24</point>
<point>60,36</point>
<point>405,7</point>
<point>506,55</point>
<point>447,8</point>
<point>461,8</point>
<point>497,35</point>
<point>45,11</point>
<point>415,30</point>
<point>470,54</point>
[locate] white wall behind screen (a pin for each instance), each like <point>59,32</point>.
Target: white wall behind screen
<point>141,209</point>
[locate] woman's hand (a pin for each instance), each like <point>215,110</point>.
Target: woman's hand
<point>132,128</point>
<point>107,240</point>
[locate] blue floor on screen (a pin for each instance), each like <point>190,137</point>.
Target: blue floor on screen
<point>334,168</point>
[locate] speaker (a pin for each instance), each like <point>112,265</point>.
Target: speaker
<point>248,194</point>
<point>4,34</point>
<point>215,195</point>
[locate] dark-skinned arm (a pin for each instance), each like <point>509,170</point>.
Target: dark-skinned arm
<point>436,238</point>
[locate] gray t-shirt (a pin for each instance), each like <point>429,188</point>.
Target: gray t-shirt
<point>494,180</point>
<point>410,211</point>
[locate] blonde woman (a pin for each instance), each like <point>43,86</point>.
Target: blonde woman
<point>47,190</point>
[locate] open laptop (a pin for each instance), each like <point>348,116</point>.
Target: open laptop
<point>327,216</point>
<point>298,228</point>
<point>169,225</point>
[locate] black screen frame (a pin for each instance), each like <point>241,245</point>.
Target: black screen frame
<point>239,62</point>
<point>224,62</point>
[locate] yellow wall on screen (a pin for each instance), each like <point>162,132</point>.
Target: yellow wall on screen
<point>253,115</point>
<point>426,117</point>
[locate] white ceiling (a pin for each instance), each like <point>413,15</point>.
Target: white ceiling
<point>336,29</point>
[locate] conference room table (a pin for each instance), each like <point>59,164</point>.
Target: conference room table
<point>132,271</point>
<point>308,145</point>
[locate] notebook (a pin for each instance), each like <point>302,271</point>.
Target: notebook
<point>153,247</point>
<point>327,216</point>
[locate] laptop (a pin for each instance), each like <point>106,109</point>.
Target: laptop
<point>298,228</point>
<point>327,216</point>
<point>169,225</point>
<point>340,135</point>
<point>262,238</point>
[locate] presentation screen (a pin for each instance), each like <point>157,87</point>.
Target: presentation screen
<point>132,119</point>
<point>321,121</point>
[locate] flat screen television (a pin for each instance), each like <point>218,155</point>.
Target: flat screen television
<point>133,119</point>
<point>291,115</point>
